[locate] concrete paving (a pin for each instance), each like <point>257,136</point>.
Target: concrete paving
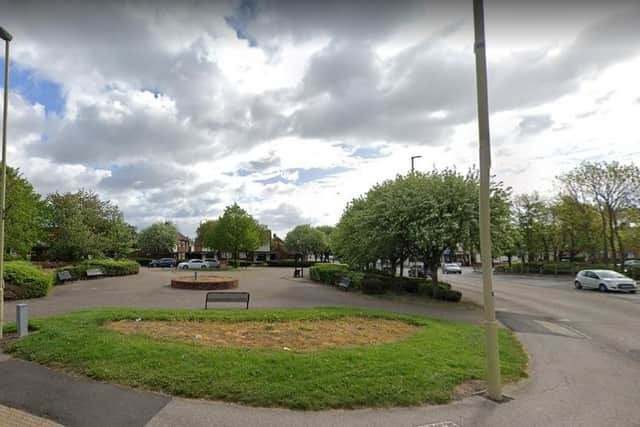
<point>584,348</point>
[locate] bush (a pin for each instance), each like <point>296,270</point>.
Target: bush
<point>24,280</point>
<point>375,283</point>
<point>328,273</point>
<point>109,266</point>
<point>289,263</point>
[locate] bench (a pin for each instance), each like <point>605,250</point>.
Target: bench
<point>344,283</point>
<point>226,297</point>
<point>94,272</point>
<point>64,276</point>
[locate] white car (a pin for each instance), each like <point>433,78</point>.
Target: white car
<point>192,264</point>
<point>451,268</point>
<point>212,262</point>
<point>605,280</point>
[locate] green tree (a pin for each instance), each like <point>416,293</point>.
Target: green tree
<point>158,239</point>
<point>306,240</point>
<point>577,226</point>
<point>25,215</point>
<point>82,225</point>
<point>206,234</point>
<point>236,231</point>
<point>532,215</point>
<point>612,188</point>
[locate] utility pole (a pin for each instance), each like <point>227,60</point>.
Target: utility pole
<point>7,37</point>
<point>493,355</point>
<point>412,158</point>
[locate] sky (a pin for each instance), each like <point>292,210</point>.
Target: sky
<point>174,110</point>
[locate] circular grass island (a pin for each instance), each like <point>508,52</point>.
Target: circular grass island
<point>204,283</point>
<point>309,359</point>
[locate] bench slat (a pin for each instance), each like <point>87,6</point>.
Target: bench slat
<point>227,297</point>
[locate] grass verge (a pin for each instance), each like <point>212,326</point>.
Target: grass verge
<point>424,368</point>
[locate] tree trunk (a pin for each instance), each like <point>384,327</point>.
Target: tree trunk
<point>434,274</point>
<point>604,238</point>
<point>509,260</point>
<point>612,238</point>
<point>620,244</point>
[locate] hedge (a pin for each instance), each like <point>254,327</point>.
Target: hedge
<point>563,268</point>
<point>290,263</point>
<point>110,267</point>
<point>328,273</point>
<point>142,261</point>
<point>24,280</point>
<point>375,283</point>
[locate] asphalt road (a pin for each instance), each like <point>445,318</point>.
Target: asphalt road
<point>584,351</point>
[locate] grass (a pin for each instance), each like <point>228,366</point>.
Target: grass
<point>424,368</point>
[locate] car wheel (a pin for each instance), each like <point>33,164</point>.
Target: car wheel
<point>577,284</point>
<point>185,267</point>
<point>632,292</point>
<point>602,287</point>
<point>202,267</point>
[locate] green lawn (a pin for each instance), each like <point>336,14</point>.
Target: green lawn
<point>423,368</point>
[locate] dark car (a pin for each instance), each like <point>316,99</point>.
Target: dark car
<point>163,262</point>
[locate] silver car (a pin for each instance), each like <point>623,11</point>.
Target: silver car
<point>451,268</point>
<point>605,280</point>
<point>196,264</point>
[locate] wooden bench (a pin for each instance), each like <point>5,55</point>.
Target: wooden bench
<point>94,272</point>
<point>344,283</point>
<point>226,297</point>
<point>64,276</point>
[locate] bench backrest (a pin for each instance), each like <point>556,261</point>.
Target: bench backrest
<point>95,272</point>
<point>64,275</point>
<point>227,297</point>
<point>345,282</point>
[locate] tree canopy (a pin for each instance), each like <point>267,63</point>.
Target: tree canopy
<point>25,215</point>
<point>82,225</point>
<point>235,231</point>
<point>158,239</point>
<point>306,240</point>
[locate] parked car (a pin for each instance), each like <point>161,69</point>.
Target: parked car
<point>193,264</point>
<point>451,268</point>
<point>212,262</point>
<point>163,262</point>
<point>605,280</point>
<point>418,272</point>
<point>627,264</point>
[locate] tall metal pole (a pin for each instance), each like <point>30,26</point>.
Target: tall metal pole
<point>493,355</point>
<point>6,36</point>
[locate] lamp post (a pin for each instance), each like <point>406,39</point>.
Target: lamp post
<point>412,158</point>
<point>7,37</point>
<point>493,356</point>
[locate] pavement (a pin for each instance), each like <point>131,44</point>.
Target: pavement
<point>584,350</point>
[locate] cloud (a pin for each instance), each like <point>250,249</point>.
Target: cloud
<point>282,218</point>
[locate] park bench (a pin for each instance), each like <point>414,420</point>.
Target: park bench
<point>94,272</point>
<point>64,276</point>
<point>226,297</point>
<point>344,283</point>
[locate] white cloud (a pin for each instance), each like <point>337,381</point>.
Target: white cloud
<point>172,116</point>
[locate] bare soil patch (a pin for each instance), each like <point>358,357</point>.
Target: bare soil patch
<point>294,335</point>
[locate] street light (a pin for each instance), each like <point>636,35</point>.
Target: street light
<point>493,356</point>
<point>412,158</point>
<point>7,37</point>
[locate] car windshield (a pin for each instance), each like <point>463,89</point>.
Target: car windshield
<point>611,275</point>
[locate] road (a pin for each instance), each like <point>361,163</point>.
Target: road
<point>584,349</point>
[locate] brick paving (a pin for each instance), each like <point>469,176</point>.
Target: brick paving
<point>10,417</point>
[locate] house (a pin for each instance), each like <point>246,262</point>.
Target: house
<point>184,246</point>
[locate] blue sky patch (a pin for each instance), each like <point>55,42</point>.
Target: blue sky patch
<point>368,153</point>
<point>35,90</point>
<point>273,180</point>
<point>245,13</point>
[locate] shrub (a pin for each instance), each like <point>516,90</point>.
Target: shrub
<point>24,280</point>
<point>356,278</point>
<point>328,273</point>
<point>109,266</point>
<point>375,283</point>
<point>289,263</point>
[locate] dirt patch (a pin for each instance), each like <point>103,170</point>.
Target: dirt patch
<point>469,388</point>
<point>294,335</point>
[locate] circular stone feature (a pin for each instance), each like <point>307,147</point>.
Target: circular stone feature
<point>204,283</point>
<point>292,335</point>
